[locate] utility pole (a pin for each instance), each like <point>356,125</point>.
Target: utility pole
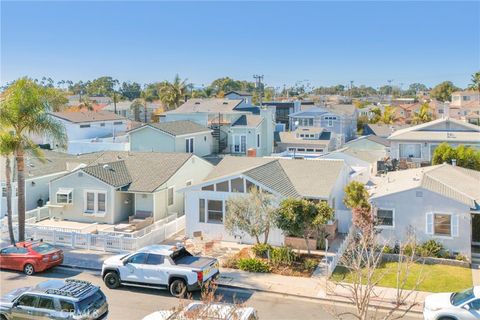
<point>259,85</point>
<point>351,89</point>
<point>114,101</point>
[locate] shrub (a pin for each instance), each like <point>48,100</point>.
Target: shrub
<point>387,249</point>
<point>282,256</point>
<point>444,254</point>
<point>431,248</point>
<point>461,257</point>
<point>261,250</point>
<point>409,249</point>
<point>231,262</point>
<point>310,264</point>
<point>253,265</point>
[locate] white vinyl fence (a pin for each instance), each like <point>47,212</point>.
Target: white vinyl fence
<point>333,261</point>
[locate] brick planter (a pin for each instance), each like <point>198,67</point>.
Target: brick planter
<point>299,243</point>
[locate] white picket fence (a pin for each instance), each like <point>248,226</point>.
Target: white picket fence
<point>105,242</point>
<point>333,261</point>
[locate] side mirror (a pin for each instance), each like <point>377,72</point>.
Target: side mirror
<point>125,262</point>
<point>466,307</point>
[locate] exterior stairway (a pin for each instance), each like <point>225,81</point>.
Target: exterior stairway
<point>476,255</point>
<point>219,138</point>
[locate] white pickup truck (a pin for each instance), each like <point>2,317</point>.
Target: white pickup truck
<point>162,267</point>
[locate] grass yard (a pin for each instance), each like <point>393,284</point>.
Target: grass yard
<point>437,278</point>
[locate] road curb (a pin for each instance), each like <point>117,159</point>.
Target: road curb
<point>229,286</point>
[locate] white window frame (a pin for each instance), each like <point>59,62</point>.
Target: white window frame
<point>234,144</point>
<point>454,225</point>
<point>207,220</point>
<point>69,195</point>
<point>95,211</point>
<point>173,196</point>
<point>399,151</point>
<point>191,145</point>
<point>393,219</point>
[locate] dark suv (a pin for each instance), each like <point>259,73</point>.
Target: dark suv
<point>55,299</point>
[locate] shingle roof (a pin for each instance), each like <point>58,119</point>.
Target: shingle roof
<point>213,105</point>
<point>177,128</point>
<point>147,170</point>
<point>339,109</point>
<point>291,138</point>
<point>450,181</point>
<point>87,116</point>
<point>288,177</point>
<point>240,93</point>
<point>113,173</point>
<point>249,120</point>
<point>385,130</point>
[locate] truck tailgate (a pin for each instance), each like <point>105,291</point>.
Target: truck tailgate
<point>209,266</point>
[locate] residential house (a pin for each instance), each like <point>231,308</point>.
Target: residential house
<point>236,128</point>
<point>317,180</point>
<point>439,203</point>
<point>305,141</point>
<point>339,119</point>
<point>468,98</point>
<point>240,95</point>
<point>417,143</point>
<point>84,130</point>
<point>174,136</point>
<point>124,186</point>
<point>382,130</point>
<point>283,109</point>
<point>123,108</point>
<point>367,111</point>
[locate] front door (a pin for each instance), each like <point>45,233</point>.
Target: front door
<point>476,229</point>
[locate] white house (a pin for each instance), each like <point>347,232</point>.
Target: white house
<point>306,141</point>
<point>418,143</point>
<point>174,136</point>
<point>440,202</point>
<point>83,127</point>
<point>242,95</point>
<point>317,180</point>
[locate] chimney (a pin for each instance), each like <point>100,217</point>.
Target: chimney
<point>454,162</point>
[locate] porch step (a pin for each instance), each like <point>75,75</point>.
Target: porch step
<point>475,258</point>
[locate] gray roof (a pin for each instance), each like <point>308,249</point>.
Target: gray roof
<point>240,93</point>
<point>290,137</point>
<point>147,170</point>
<point>450,181</point>
<point>384,130</point>
<point>288,177</point>
<point>87,116</point>
<point>339,109</point>
<point>248,120</point>
<point>214,105</point>
<point>177,128</point>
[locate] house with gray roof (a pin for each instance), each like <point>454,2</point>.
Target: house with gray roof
<point>339,119</point>
<point>126,187</point>
<point>382,130</point>
<point>418,143</point>
<point>305,141</point>
<point>175,136</point>
<point>316,180</point>
<point>439,202</point>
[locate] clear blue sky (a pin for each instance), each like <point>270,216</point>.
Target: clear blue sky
<point>324,42</point>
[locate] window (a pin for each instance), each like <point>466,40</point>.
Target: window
<point>309,150</point>
<point>410,150</point>
<point>215,211</point>
<point>201,210</point>
<point>442,224</point>
<point>95,202</point>
<point>318,150</point>
<point>46,303</point>
<point>237,185</point>
<point>385,217</point>
<point>301,149</point>
<point>155,259</point>
<point>64,196</point>
<point>305,122</point>
<point>170,196</point>
<point>138,258</point>
<point>239,143</point>
<point>66,306</point>
<point>222,186</point>
<point>4,191</point>
<point>28,300</point>
<point>116,123</point>
<point>208,188</point>
<point>249,185</point>
<point>189,145</point>
<point>102,124</point>
<point>475,304</point>
<point>14,250</point>
<point>258,140</point>
<point>84,126</point>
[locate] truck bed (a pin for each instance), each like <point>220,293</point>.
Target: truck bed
<point>194,262</point>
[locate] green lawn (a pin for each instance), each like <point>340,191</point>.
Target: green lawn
<point>437,278</point>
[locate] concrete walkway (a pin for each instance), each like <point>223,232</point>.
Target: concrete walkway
<point>476,274</point>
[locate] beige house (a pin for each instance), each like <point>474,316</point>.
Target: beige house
<point>306,140</point>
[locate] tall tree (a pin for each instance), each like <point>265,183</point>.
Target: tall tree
<point>24,108</point>
<point>475,85</point>
<point>135,107</point>
<point>131,90</point>
<point>7,148</point>
<point>466,157</point>
<point>443,91</point>
<point>417,87</point>
<point>356,198</point>
<point>423,115</point>
<point>103,86</point>
<point>173,93</point>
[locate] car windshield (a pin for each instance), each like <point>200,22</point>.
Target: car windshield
<point>93,301</point>
<point>459,298</point>
<point>43,248</point>
<point>179,255</point>
<point>10,296</point>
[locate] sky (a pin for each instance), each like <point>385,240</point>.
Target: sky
<point>321,43</point>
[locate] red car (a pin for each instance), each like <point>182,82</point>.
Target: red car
<point>30,257</point>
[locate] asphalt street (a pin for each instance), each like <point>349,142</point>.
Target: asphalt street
<point>135,303</point>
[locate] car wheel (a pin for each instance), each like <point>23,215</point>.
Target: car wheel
<point>446,318</point>
<point>2,317</point>
<point>28,269</point>
<point>112,281</point>
<point>178,288</point>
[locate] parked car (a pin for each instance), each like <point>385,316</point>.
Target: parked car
<point>200,310</point>
<point>30,256</point>
<point>464,305</point>
<point>162,267</point>
<point>55,299</point>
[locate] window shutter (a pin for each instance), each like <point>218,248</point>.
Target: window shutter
<point>455,225</point>
<point>429,223</point>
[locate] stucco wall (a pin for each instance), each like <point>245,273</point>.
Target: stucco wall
<point>149,139</point>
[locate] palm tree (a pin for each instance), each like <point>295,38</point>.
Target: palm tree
<point>7,147</point>
<point>475,85</point>
<point>423,115</point>
<point>135,107</point>
<point>171,94</point>
<point>25,108</point>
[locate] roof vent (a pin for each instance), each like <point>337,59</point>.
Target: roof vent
<point>107,167</point>
<point>225,102</point>
<point>197,102</point>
